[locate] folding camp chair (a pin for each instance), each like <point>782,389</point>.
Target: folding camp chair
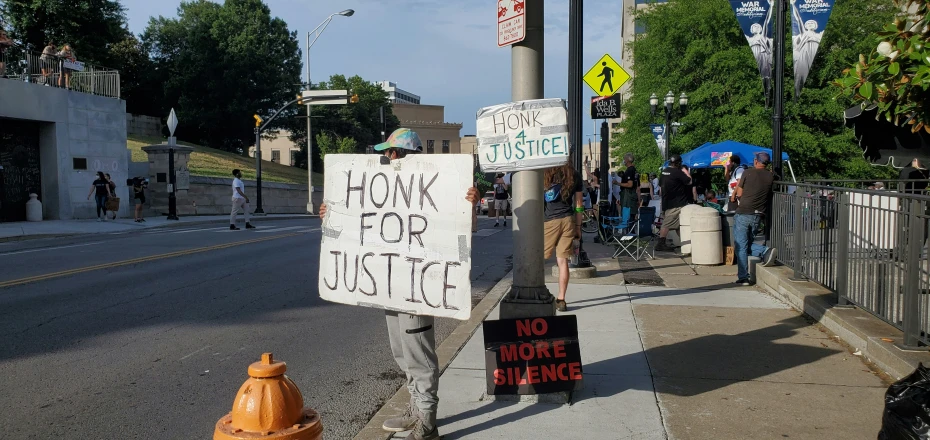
<point>614,228</point>
<point>639,237</point>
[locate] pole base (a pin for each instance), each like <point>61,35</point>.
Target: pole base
<point>259,211</point>
<point>527,302</point>
<point>311,209</point>
<point>577,273</point>
<point>172,217</point>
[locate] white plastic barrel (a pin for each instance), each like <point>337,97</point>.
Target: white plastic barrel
<point>685,219</point>
<point>706,237</point>
<point>33,209</point>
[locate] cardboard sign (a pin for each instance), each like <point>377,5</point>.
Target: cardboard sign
<point>397,235</point>
<point>532,356</point>
<point>523,135</point>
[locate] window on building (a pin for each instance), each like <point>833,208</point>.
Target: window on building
<point>294,154</point>
<point>276,156</point>
<point>79,163</point>
<point>445,147</point>
<point>430,146</point>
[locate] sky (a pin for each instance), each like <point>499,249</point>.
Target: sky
<point>444,51</point>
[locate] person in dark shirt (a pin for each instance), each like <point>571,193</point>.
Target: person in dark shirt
<point>676,193</point>
<point>754,192</point>
<point>100,189</point>
<point>564,206</point>
<point>628,181</point>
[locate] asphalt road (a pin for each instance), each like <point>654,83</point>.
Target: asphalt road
<point>149,335</point>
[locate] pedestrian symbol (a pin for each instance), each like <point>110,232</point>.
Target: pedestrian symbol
<point>606,77</point>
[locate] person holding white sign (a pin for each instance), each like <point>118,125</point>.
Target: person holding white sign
<point>412,337</point>
<point>563,210</point>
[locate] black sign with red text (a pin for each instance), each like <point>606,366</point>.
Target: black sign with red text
<point>532,355</point>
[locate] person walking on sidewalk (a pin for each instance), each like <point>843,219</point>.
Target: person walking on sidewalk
<point>239,202</point>
<point>138,196</point>
<point>412,337</point>
<point>564,206</point>
<point>754,193</point>
<point>676,194</point>
<point>109,205</point>
<point>501,199</point>
<point>100,189</point>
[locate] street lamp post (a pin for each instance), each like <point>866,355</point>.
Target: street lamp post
<point>317,32</point>
<point>669,113</point>
<point>172,177</point>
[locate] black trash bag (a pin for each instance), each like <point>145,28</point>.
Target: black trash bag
<point>907,408</point>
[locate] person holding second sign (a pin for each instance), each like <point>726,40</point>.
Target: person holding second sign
<point>413,341</point>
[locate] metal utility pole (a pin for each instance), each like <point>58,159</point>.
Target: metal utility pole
<point>575,26</point>
<point>779,110</point>
<point>529,296</point>
<point>258,169</point>
<point>382,123</point>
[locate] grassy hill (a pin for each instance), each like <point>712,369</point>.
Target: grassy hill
<point>210,162</point>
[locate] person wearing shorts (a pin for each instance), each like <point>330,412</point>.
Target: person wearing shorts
<point>501,199</point>
<point>563,210</point>
<point>138,196</point>
<point>676,194</point>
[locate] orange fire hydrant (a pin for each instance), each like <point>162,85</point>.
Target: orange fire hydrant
<point>269,407</point>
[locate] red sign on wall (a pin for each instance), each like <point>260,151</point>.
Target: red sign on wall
<point>511,22</point>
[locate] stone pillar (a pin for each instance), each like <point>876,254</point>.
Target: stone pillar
<point>158,178</point>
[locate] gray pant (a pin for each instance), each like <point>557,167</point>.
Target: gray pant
<point>237,205</point>
<point>413,344</point>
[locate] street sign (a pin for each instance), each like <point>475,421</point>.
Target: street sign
<point>523,135</point>
<point>172,122</point>
<point>511,22</point>
<point>605,107</point>
<point>606,77</point>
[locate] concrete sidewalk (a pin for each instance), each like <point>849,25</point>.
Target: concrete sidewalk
<point>700,360</point>
<point>52,228</point>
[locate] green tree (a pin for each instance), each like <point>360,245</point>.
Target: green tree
<point>360,121</point>
<point>138,87</point>
<point>896,74</point>
<point>697,46</point>
<point>335,144</point>
<point>91,27</point>
<point>219,65</point>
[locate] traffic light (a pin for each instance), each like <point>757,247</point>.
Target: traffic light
<point>300,99</point>
<point>354,99</point>
<point>258,120</point>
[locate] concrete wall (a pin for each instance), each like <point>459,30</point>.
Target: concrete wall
<point>213,195</point>
<point>141,125</point>
<point>73,125</point>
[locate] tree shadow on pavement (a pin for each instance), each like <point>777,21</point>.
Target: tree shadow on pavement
<point>703,364</point>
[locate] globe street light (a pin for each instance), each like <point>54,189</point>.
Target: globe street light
<point>316,32</point>
<point>669,111</point>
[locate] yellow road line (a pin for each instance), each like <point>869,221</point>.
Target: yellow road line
<point>64,273</point>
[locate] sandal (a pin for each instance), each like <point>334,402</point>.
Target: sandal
<point>560,305</point>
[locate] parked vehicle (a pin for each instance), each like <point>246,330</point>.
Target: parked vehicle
<point>486,201</point>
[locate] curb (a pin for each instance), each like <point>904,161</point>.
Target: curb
<point>447,351</point>
<point>25,237</point>
<point>852,325</point>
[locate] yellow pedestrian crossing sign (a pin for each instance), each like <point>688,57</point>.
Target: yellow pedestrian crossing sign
<point>606,77</point>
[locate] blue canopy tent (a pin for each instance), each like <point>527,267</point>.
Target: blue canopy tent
<point>717,155</point>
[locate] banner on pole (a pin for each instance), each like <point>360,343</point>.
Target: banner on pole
<point>658,132</point>
<point>755,18</point>
<point>523,135</point>
<point>397,235</point>
<point>808,22</point>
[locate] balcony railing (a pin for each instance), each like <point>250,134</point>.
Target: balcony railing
<point>868,246</point>
<point>49,70</point>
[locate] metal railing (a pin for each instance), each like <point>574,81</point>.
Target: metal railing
<point>52,71</point>
<point>868,246</point>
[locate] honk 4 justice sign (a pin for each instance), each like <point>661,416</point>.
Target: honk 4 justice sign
<point>523,135</point>
<point>397,235</point>
<point>532,356</point>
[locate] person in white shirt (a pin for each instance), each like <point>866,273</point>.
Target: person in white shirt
<point>239,201</point>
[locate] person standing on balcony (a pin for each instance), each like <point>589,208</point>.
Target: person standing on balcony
<point>66,54</point>
<point>5,43</point>
<point>754,194</point>
<point>49,62</point>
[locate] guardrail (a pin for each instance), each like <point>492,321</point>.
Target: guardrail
<point>52,71</point>
<point>868,246</point>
